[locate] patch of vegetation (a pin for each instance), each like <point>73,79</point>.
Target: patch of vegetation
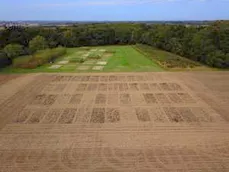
<point>165,59</point>
<point>94,56</point>
<point>77,60</point>
<point>39,58</point>
<point>128,59</point>
<point>110,51</point>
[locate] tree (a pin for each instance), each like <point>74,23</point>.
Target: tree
<point>4,60</point>
<point>37,43</point>
<point>13,50</point>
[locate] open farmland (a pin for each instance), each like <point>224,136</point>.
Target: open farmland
<point>165,122</point>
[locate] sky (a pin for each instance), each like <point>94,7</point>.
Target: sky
<point>114,10</point>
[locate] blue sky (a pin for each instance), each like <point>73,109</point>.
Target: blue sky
<point>113,10</point>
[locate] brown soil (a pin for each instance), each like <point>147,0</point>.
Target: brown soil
<point>113,115</point>
<point>52,116</point>
<point>67,116</point>
<point>76,99</point>
<point>5,78</point>
<point>100,99</point>
<point>142,114</point>
<point>115,122</point>
<point>98,115</point>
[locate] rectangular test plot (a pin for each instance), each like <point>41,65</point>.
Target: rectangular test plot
<point>98,115</point>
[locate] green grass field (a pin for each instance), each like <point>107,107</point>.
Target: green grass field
<point>121,59</point>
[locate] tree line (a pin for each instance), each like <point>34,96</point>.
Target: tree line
<point>206,44</point>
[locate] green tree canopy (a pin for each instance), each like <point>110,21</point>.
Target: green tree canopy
<point>37,43</point>
<point>13,50</point>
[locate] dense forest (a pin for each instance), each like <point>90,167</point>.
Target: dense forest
<point>206,44</point>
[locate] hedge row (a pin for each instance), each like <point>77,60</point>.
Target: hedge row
<point>39,58</point>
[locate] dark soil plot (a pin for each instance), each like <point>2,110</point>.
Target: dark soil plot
<point>201,114</point>
<point>151,77</point>
<point>122,78</point>
<point>175,87</point>
<point>187,114</point>
<point>131,78</point>
<point>102,87</point>
<point>52,116</point>
<point>22,116</point>
<point>39,99</point>
<point>157,115</point>
<point>123,87</point>
<point>134,86</point>
<point>113,78</point>
<point>140,78</point>
<point>85,78</point>
<point>84,115</point>
<point>174,98</point>
<point>98,115</point>
<point>50,100</point>
<point>63,99</point>
<point>186,98</point>
<point>142,114</point>
<point>36,117</point>
<point>164,87</point>
<point>110,87</point>
<point>60,87</point>
<point>100,99</point>
<point>63,78</point>
<point>149,98</point>
<point>67,116</point>
<point>94,79</point>
<point>125,99</point>
<point>59,79</point>
<point>76,78</point>
<point>104,78</point>
<point>154,87</point>
<point>76,99</point>
<point>81,87</point>
<point>173,114</point>
<point>92,87</point>
<point>116,87</point>
<point>112,99</point>
<point>112,115</point>
<point>144,87</point>
<point>161,98</point>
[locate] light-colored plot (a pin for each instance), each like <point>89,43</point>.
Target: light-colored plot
<point>93,50</point>
<point>89,62</point>
<point>63,62</point>
<point>102,63</point>
<point>102,50</point>
<point>83,68</point>
<point>98,68</point>
<point>55,66</point>
<point>85,56</point>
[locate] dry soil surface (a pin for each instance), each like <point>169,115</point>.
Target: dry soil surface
<point>162,122</point>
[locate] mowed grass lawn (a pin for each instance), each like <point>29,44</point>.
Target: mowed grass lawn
<point>124,59</point>
<point>127,59</point>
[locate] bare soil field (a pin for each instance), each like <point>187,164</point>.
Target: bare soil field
<point>162,122</point>
<point>6,78</point>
